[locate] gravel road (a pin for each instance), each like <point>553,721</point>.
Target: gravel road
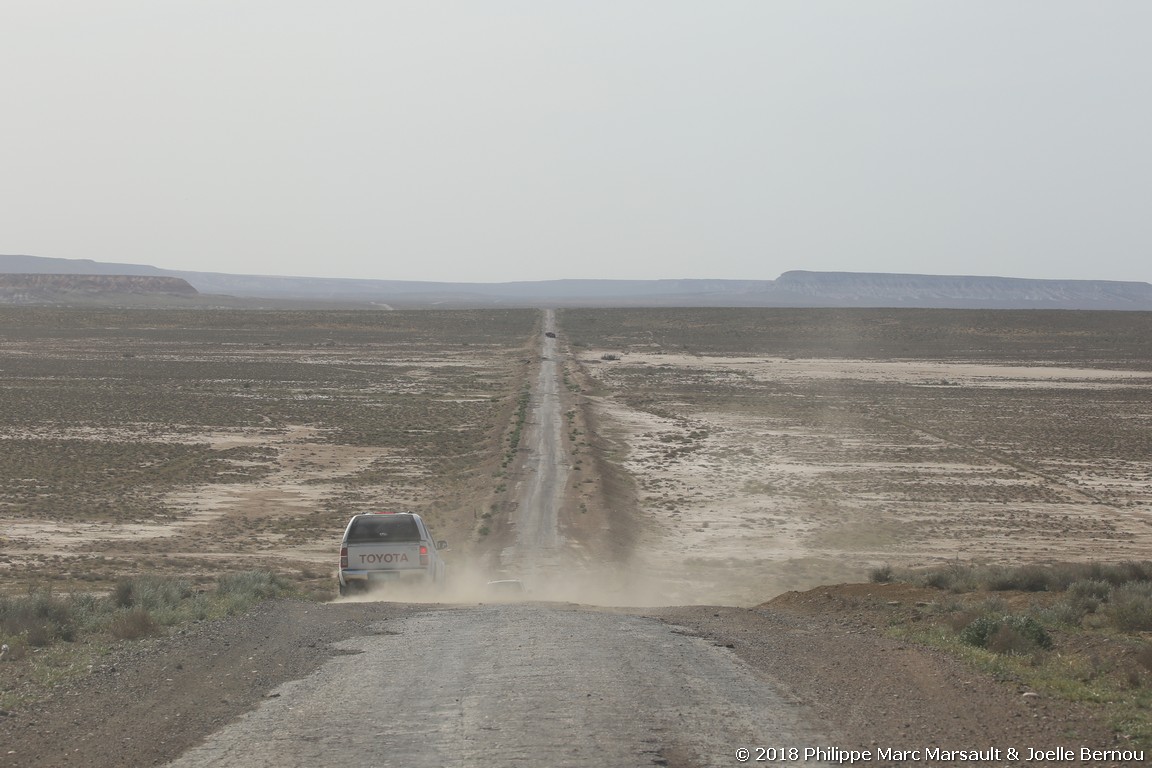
<point>681,687</point>
<point>515,685</point>
<point>536,553</point>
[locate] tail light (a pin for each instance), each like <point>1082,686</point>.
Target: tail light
<point>343,557</point>
<point>423,555</point>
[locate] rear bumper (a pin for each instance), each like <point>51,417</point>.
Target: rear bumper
<point>364,578</point>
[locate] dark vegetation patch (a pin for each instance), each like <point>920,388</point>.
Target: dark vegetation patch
<point>90,479</point>
<point>1108,339</point>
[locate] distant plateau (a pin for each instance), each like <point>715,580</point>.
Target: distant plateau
<point>33,280</point>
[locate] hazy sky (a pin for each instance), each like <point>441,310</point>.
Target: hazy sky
<point>499,140</point>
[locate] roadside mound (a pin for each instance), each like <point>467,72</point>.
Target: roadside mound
<point>1068,649</point>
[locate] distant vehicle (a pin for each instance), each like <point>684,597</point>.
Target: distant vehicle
<point>389,548</point>
<point>550,334</point>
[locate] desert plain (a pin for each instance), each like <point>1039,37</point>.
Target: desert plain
<point>719,456</point>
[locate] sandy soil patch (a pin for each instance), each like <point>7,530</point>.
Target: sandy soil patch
<point>914,372</point>
<point>307,471</point>
<point>758,476</point>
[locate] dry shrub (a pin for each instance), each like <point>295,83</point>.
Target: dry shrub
<point>1057,577</point>
<point>133,624</point>
<point>1130,607</point>
<point>960,620</point>
<point>1033,578</point>
<point>122,593</point>
<point>1006,639</point>
<point>17,648</point>
<point>1026,578</point>
<point>881,574</point>
<point>41,618</point>
<point>954,578</point>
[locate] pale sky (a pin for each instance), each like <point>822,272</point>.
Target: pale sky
<point>469,140</point>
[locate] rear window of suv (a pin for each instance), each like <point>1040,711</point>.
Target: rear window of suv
<point>383,529</point>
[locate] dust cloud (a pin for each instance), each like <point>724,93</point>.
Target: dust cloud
<point>628,585</point>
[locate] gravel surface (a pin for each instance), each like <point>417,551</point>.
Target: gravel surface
<point>154,700</point>
<point>515,685</point>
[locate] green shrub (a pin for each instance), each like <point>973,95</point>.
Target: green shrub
<point>137,607</point>
<point>1068,612</point>
<point>1006,634</point>
<point>250,585</point>
<point>992,606</point>
<point>1123,573</point>
<point>151,592</point>
<point>41,618</point>
<point>87,608</point>
<point>1089,589</point>
<point>1130,607</point>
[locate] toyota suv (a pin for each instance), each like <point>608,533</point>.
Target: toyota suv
<point>389,548</point>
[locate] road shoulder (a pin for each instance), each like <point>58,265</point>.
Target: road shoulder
<point>880,692</point>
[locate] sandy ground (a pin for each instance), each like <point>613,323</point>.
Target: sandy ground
<point>804,473</point>
<point>308,472</point>
<point>744,503</point>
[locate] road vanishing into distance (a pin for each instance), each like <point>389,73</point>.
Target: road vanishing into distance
<point>537,552</point>
<point>519,684</point>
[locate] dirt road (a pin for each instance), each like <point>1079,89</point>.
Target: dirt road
<point>537,551</point>
<point>515,685</point>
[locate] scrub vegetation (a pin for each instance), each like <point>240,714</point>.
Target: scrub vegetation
<point>60,635</point>
<point>190,443</point>
<point>1077,631</point>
